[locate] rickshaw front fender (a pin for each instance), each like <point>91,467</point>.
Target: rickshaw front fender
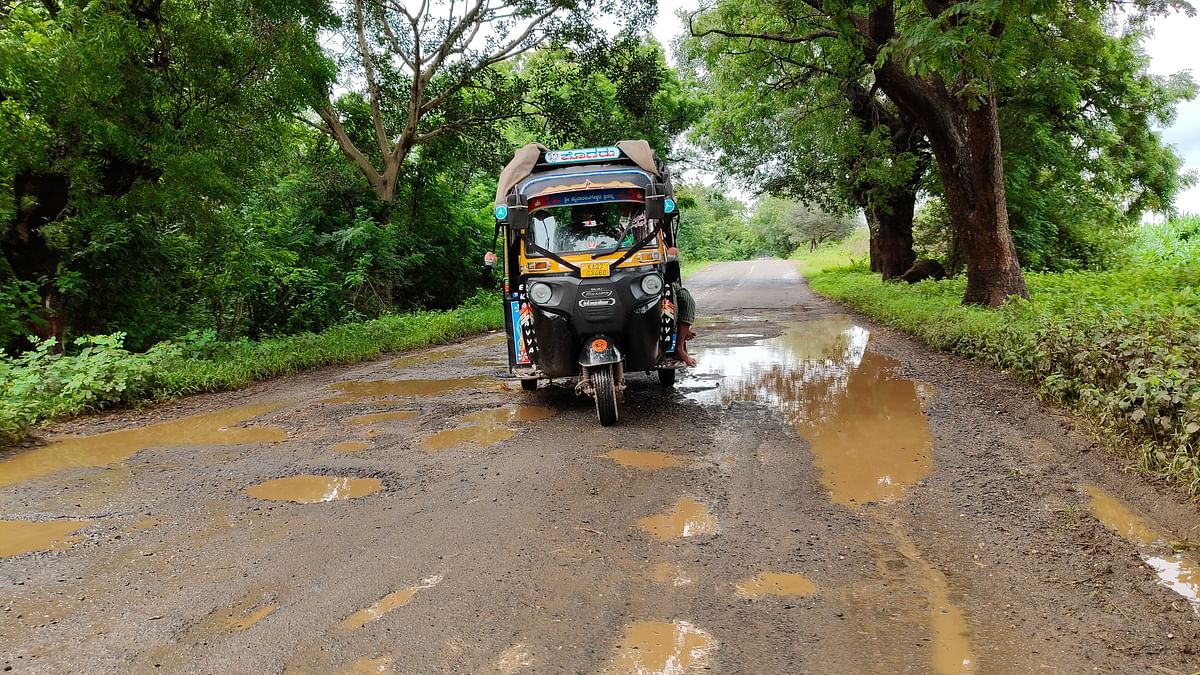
<point>599,350</point>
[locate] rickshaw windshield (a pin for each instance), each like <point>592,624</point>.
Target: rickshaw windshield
<point>586,228</point>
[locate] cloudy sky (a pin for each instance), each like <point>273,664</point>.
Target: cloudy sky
<point>1172,49</point>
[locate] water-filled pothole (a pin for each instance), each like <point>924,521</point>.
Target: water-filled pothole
<point>687,518</point>
<point>312,489</point>
<point>660,648</point>
<point>390,602</point>
<point>485,427</point>
<point>775,583</point>
<point>26,536</point>
<point>646,460</point>
<point>864,423</point>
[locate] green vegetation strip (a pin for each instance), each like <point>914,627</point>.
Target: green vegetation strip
<point>1122,348</point>
<point>41,385</point>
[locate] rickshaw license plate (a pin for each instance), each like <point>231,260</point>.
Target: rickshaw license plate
<point>593,269</point>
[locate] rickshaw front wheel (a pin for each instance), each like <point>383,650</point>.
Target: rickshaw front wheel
<point>606,394</point>
<point>529,385</point>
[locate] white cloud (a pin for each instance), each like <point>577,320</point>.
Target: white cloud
<point>1172,48</point>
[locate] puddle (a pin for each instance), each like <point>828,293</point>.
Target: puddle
<point>410,360</point>
<point>487,363</point>
<point>688,518</point>
<point>514,659</point>
<point>1176,571</point>
<point>246,620</point>
<point>661,648</point>
<point>646,460</point>
<point>671,573</point>
<point>364,420</point>
<point>351,446</point>
<point>775,583</point>
<point>481,436</point>
<point>863,421</point>
<point>486,427</point>
<point>217,428</point>
<point>359,390</point>
<point>314,489</point>
<point>387,603</point>
<point>26,536</point>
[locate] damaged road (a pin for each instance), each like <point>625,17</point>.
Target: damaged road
<point>819,495</point>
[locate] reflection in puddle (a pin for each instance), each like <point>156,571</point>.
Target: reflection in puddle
<point>486,427</point>
<point>364,420</point>
<point>659,648</point>
<point>775,583</point>
<point>671,573</point>
<point>1176,571</point>
<point>646,460</point>
<point>688,518</point>
<point>218,428</point>
<point>355,391</point>
<point>514,659</point>
<point>409,360</point>
<point>26,536</point>
<point>351,446</point>
<point>387,603</point>
<point>314,489</point>
<point>863,421</point>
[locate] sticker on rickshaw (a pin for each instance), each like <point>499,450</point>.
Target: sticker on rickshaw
<point>593,269</point>
<point>582,155</point>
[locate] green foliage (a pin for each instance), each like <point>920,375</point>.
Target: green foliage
<point>786,226</point>
<point>1121,347</point>
<point>41,384</point>
<point>1173,242</point>
<point>713,226</point>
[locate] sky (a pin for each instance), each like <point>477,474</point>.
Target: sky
<point>1171,49</point>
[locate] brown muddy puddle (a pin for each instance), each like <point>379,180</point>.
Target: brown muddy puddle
<point>314,489</point>
<point>783,584</point>
<point>351,446</point>
<point>410,360</point>
<point>863,421</point>
<point>390,602</point>
<point>216,428</point>
<point>687,518</point>
<point>395,416</point>
<point>364,389</point>
<point>661,648</point>
<point>646,460</point>
<point>26,536</point>
<point>1176,571</point>
<point>485,427</point>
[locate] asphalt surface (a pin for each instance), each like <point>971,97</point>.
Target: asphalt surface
<point>819,495</point>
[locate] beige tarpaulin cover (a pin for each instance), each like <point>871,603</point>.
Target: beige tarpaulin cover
<point>524,160</point>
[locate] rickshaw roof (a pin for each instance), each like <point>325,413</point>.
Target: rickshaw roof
<point>630,163</point>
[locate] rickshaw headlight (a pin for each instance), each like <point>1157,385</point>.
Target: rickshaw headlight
<point>540,293</point>
<point>652,284</point>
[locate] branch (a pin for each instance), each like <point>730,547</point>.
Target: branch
<point>329,115</point>
<point>372,83</point>
<point>772,37</point>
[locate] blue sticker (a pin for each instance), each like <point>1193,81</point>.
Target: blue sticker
<point>501,212</point>
<point>582,155</point>
<point>669,205</point>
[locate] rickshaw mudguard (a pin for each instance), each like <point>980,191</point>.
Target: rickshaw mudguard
<point>599,350</point>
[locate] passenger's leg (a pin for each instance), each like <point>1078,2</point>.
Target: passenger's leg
<point>687,316</point>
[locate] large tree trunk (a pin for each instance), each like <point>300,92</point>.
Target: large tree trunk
<point>892,241</point>
<point>965,138</point>
<point>41,199</point>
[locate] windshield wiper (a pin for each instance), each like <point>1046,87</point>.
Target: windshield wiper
<point>620,237</point>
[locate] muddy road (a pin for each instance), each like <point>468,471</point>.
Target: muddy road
<point>819,495</point>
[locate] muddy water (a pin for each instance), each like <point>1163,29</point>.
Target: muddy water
<point>863,421</point>
<point>775,583</point>
<point>485,427</point>
<point>396,416</point>
<point>217,428</point>
<point>359,390</point>
<point>1177,571</point>
<point>314,489</point>
<point>687,518</point>
<point>663,648</point>
<point>25,536</point>
<point>646,460</point>
<point>672,574</point>
<point>410,360</point>
<point>391,601</point>
<point>351,446</point>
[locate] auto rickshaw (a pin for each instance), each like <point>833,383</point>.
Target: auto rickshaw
<point>586,286</point>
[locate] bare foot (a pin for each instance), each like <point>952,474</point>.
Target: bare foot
<point>682,355</point>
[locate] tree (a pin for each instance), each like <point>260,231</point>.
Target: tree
<point>786,226</point>
<point>125,127</point>
<point>831,137</point>
<point>426,70</point>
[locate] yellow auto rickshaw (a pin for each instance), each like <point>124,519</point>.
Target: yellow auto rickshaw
<point>587,289</point>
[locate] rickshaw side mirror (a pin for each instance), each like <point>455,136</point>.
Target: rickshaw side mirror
<point>516,213</point>
<point>655,202</point>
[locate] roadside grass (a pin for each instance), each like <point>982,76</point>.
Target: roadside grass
<point>40,385</point>
<point>687,267</point>
<point>1121,348</point>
